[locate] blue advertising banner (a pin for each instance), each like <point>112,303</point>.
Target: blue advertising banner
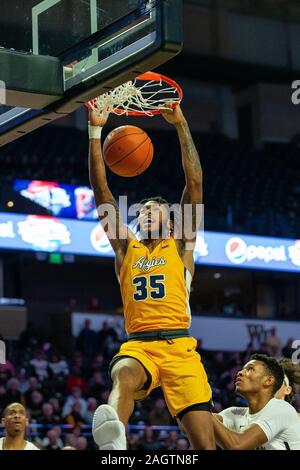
<point>67,236</point>
<point>63,200</point>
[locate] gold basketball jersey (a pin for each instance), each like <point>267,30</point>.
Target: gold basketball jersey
<point>155,288</point>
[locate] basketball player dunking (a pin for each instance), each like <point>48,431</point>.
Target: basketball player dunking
<point>155,274</point>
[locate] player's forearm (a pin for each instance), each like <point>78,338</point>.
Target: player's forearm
<point>229,440</point>
<point>97,172</point>
<point>190,157</point>
<point>107,207</point>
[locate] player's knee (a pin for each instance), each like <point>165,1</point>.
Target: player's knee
<point>126,377</point>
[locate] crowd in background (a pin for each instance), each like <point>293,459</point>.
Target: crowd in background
<point>61,393</point>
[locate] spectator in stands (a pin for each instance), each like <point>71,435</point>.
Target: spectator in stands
<point>149,440</point>
<point>55,405</point>
<point>33,386</point>
<point>76,396</point>
<point>71,440</point>
<point>98,365</point>
<point>76,380</point>
<point>81,443</point>
<point>106,335</point>
<point>219,363</point>
<point>274,343</point>
<point>96,385</point>
<point>77,360</point>
<point>59,441</point>
<point>140,414</point>
<point>159,414</point>
<point>52,442</point>
<point>76,417</point>
<point>48,417</point>
<point>35,405</point>
<point>23,381</point>
<point>182,444</point>
<point>133,441</point>
<point>171,441</point>
<point>119,328</point>
<point>3,398</point>
<point>91,408</point>
<point>40,365</point>
<point>58,366</point>
<point>87,341</point>
<point>227,386</point>
<point>13,394</point>
<point>8,367</point>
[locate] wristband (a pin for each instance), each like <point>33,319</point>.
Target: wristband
<point>94,131</point>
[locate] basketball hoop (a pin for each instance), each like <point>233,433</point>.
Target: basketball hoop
<point>146,95</point>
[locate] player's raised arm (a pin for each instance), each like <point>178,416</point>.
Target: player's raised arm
<point>192,193</point>
<point>252,438</point>
<point>107,207</point>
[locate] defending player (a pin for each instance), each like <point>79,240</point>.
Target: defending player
<point>15,423</point>
<point>155,274</point>
<point>291,381</point>
<point>267,423</point>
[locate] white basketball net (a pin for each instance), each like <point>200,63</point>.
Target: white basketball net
<point>131,97</point>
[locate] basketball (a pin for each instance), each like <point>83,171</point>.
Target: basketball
<point>128,151</point>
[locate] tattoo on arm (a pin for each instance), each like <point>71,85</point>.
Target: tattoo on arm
<point>192,193</point>
<point>190,157</point>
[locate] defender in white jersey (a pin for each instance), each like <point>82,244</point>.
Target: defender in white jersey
<point>291,382</point>
<point>267,423</point>
<point>15,423</point>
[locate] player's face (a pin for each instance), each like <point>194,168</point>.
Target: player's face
<point>15,421</point>
<point>153,220</point>
<point>283,391</point>
<point>252,378</point>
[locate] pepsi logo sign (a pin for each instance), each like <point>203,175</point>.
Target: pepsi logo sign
<point>99,240</point>
<point>237,251</point>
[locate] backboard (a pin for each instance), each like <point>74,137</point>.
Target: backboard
<point>57,54</point>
